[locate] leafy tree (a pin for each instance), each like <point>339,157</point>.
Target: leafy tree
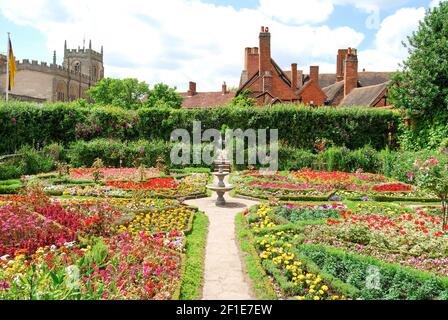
<point>164,96</point>
<point>421,88</point>
<point>432,175</point>
<point>126,93</point>
<point>243,100</point>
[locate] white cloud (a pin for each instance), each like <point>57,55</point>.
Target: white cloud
<point>175,41</point>
<point>434,3</point>
<point>318,11</point>
<point>298,12</point>
<point>388,51</point>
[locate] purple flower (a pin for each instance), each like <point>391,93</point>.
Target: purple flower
<point>14,121</point>
<point>365,198</point>
<point>335,198</point>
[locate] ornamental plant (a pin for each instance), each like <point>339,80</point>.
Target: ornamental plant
<point>97,165</point>
<point>432,175</point>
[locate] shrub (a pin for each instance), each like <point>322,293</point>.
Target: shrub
<point>126,154</point>
<point>395,282</point>
<point>24,123</point>
<point>365,158</point>
<point>336,158</point>
<point>9,171</point>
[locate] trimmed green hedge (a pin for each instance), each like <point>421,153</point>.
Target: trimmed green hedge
<point>27,123</point>
<point>395,282</point>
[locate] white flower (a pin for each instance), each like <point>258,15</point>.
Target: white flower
<point>5,257</point>
<point>53,248</point>
<point>69,244</point>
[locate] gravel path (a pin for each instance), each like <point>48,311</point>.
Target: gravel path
<point>224,278</point>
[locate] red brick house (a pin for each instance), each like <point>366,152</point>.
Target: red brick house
<point>269,84</point>
<point>352,88</point>
<point>194,99</point>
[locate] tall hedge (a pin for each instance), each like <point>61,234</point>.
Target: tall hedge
<point>28,123</point>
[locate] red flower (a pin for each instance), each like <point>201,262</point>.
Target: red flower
<point>392,187</point>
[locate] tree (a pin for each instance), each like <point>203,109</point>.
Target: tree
<point>164,96</point>
<point>126,93</point>
<point>243,100</point>
<point>432,175</point>
<point>421,88</point>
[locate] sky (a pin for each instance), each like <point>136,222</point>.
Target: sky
<point>177,41</point>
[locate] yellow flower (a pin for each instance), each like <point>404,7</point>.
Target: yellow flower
<point>300,298</point>
<point>316,298</point>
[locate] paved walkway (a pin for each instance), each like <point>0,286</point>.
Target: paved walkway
<point>224,278</point>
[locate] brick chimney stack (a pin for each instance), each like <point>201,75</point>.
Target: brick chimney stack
<point>351,71</point>
<point>251,61</point>
<point>192,89</point>
<point>314,74</point>
<point>340,60</point>
<point>224,88</point>
<point>267,81</point>
<point>265,51</point>
<point>294,76</point>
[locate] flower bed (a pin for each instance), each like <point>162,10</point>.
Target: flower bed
<point>406,248</point>
<point>109,174</point>
<point>116,248</point>
<point>322,185</point>
<point>150,184</point>
<point>167,187</point>
<point>274,250</point>
<point>121,267</point>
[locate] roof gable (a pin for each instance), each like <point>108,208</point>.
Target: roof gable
<point>206,99</point>
<point>365,96</point>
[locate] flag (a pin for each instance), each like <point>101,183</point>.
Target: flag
<point>12,66</point>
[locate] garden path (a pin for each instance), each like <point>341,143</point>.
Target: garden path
<point>224,278</point>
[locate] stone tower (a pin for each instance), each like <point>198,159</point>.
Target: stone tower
<point>85,61</point>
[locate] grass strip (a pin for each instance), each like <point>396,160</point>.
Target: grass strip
<point>194,264</point>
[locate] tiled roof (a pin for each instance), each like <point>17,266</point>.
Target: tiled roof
<point>299,77</point>
<point>365,78</point>
<point>334,92</point>
<point>365,96</point>
<point>368,78</point>
<point>327,79</point>
<point>244,82</point>
<point>206,99</point>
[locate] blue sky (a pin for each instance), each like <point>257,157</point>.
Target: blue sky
<point>176,41</point>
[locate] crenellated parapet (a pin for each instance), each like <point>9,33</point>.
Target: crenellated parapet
<point>83,52</point>
<point>53,69</point>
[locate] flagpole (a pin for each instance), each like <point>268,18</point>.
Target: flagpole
<point>7,69</point>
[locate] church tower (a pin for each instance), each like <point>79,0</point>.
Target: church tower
<point>85,61</point>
